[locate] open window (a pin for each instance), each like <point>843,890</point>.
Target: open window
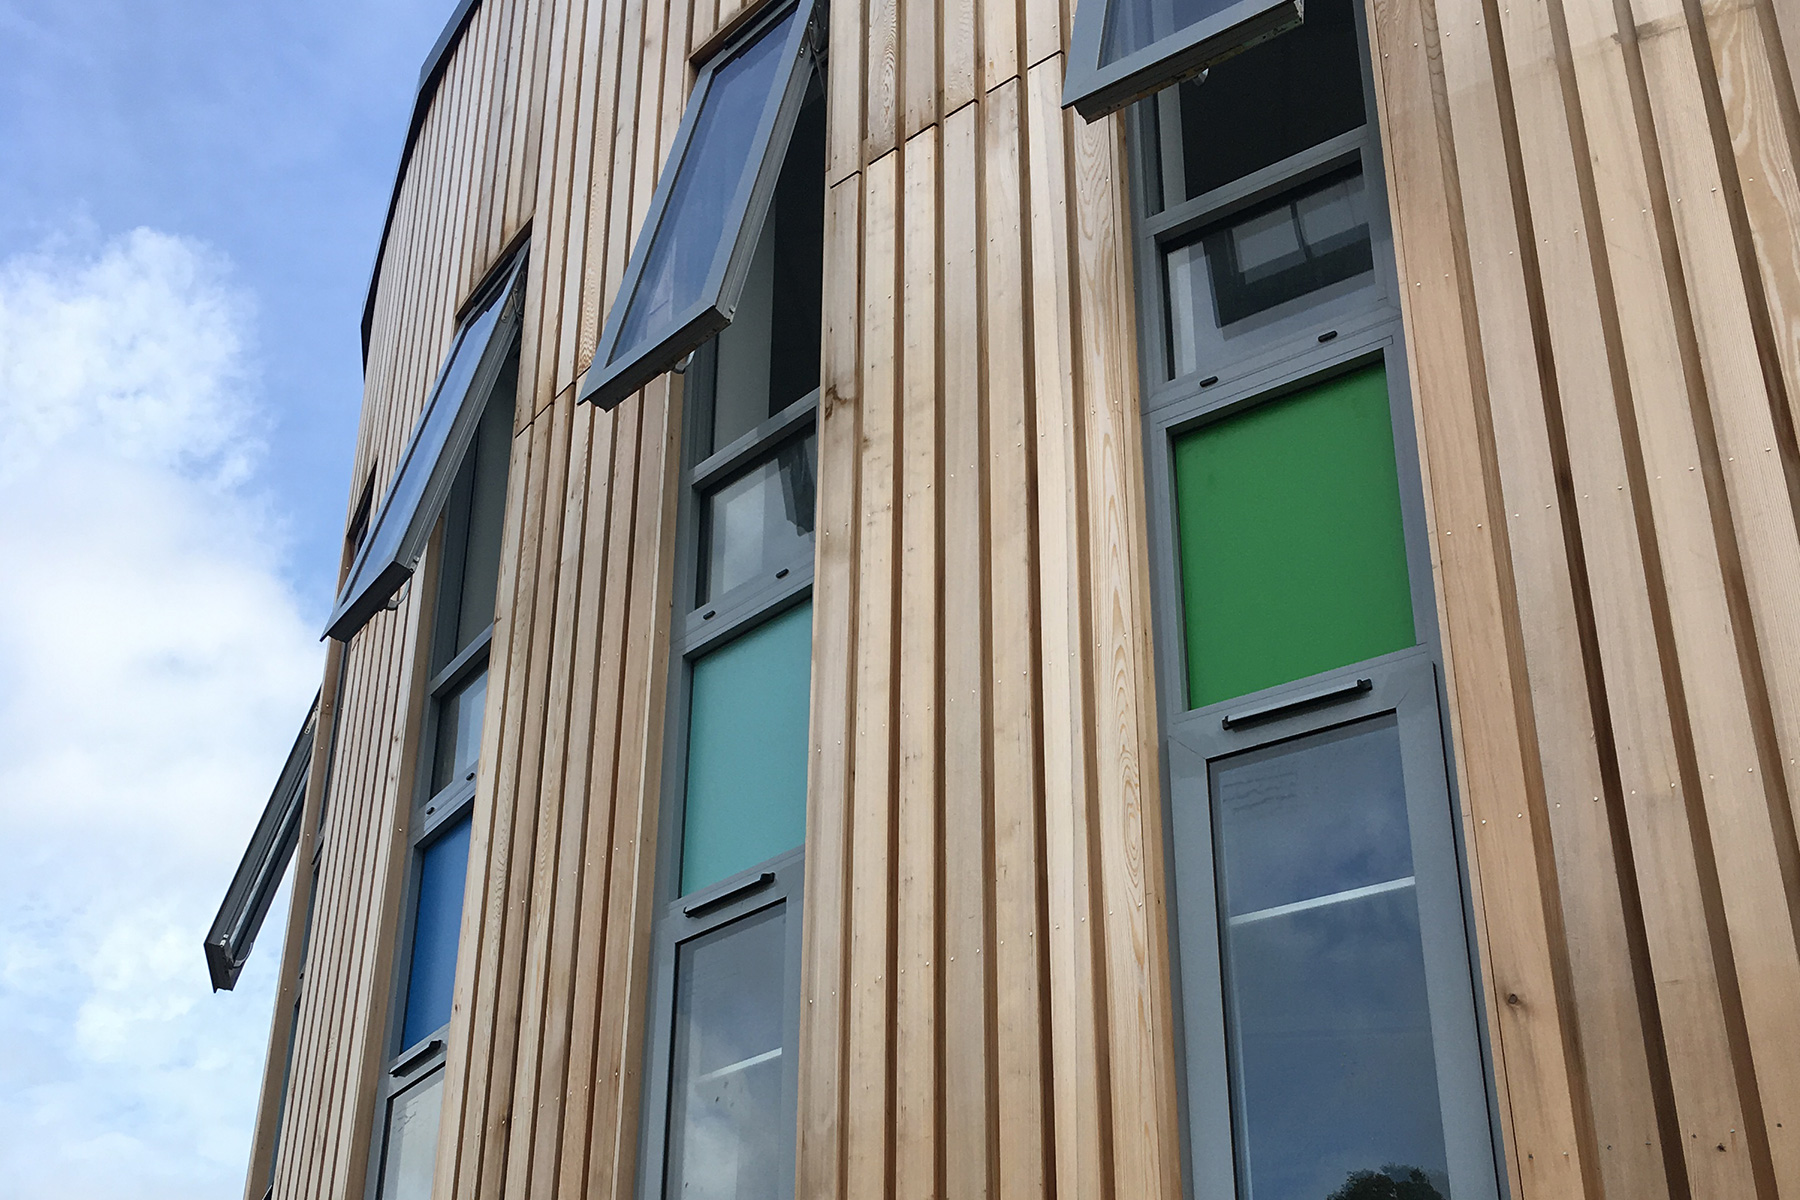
<point>1123,50</point>
<point>687,272</point>
<point>440,440</point>
<point>258,876</point>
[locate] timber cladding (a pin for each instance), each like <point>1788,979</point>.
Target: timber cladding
<point>1597,222</point>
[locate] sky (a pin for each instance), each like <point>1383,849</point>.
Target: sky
<point>191,193</point>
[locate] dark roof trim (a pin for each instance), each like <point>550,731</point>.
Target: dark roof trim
<point>429,77</point>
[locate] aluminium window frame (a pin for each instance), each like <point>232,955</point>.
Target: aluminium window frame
<point>1302,345</point>
<point>607,383</point>
<point>1095,88</point>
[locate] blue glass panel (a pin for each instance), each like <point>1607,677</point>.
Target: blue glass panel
<point>717,162</point>
<point>443,871</point>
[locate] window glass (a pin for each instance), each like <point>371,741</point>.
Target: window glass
<point>487,511</point>
<point>1306,240</point>
<point>1273,100</point>
<point>1293,558</point>
<point>726,1130</point>
<point>747,742</point>
<point>443,872</point>
<point>1333,1070</point>
<point>412,1136</point>
<point>459,734</point>
<point>760,522</point>
<point>718,159</point>
<point>1132,25</point>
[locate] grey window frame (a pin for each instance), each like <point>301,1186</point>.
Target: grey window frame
<point>259,873</point>
<point>1309,341</point>
<point>372,583</point>
<point>606,382</point>
<point>1094,89</point>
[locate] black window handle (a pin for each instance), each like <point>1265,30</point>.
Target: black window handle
<point>1280,708</point>
<point>741,888</point>
<point>424,1051</point>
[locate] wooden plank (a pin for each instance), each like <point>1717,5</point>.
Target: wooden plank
<point>586,148</point>
<point>1021,957</point>
<point>919,825</point>
<point>869,1127</point>
<point>598,251</point>
<point>958,55</point>
<point>883,100</point>
<point>918,86</point>
<point>845,94</point>
<point>971,1159</point>
<point>999,42</point>
<point>823,1022</point>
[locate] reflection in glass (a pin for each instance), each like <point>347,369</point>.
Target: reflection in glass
<point>437,925</point>
<point>1332,1064</point>
<point>458,734</point>
<point>1133,24</point>
<point>1306,240</point>
<point>717,162</point>
<point>1273,100</point>
<point>760,522</point>
<point>412,1136</point>
<point>725,1079</point>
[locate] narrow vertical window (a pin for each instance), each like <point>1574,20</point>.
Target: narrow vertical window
<point>1330,1026</point>
<point>721,1079</point>
<point>467,570</point>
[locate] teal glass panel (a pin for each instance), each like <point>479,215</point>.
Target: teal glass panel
<point>747,740</point>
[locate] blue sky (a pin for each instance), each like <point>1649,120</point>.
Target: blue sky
<point>190,198</point>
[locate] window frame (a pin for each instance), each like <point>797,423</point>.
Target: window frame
<point>1314,341</point>
<point>607,383</point>
<point>1094,88</point>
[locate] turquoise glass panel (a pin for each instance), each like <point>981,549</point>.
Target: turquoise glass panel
<point>747,740</point>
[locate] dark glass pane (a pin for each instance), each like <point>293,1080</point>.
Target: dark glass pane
<point>747,740</point>
<point>718,159</point>
<point>1273,100</point>
<point>768,357</point>
<point>1333,1069</point>
<point>726,1127</point>
<point>458,745</point>
<point>412,1137</point>
<point>760,522</point>
<point>1133,24</point>
<point>1308,239</point>
<point>1293,556</point>
<point>487,511</point>
<point>443,871</point>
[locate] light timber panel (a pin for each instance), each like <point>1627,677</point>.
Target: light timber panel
<point>1597,220</point>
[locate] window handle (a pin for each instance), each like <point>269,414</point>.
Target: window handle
<point>425,1050</point>
<point>1281,708</point>
<point>742,888</point>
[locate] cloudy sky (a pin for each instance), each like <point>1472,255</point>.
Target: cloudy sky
<point>190,197</point>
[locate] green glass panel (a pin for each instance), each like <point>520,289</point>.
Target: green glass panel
<point>1293,560</point>
<point>747,739</point>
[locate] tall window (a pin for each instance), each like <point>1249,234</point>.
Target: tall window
<point>468,562</point>
<point>721,1079</point>
<point>1329,1017</point>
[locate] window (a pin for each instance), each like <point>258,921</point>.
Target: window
<point>1121,50</point>
<point>437,862</point>
<point>265,861</point>
<point>721,1078</point>
<point>689,270</point>
<point>440,439</point>
<point>1329,1020</point>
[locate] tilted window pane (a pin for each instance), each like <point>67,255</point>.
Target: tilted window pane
<point>443,872</point>
<point>458,734</point>
<point>718,159</point>
<point>1132,25</point>
<point>760,522</point>
<point>412,1137</point>
<point>1333,1067</point>
<point>1293,559</point>
<point>747,740</point>
<point>1292,247</point>
<point>768,357</point>
<point>432,457</point>
<point>486,514</point>
<point>1273,100</point>
<point>726,1127</point>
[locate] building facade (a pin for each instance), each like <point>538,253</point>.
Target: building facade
<point>1003,598</point>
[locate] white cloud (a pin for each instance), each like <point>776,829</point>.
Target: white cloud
<point>154,666</point>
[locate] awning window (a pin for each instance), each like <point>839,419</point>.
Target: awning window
<point>687,270</point>
<point>258,876</point>
<point>1121,50</point>
<point>428,466</point>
